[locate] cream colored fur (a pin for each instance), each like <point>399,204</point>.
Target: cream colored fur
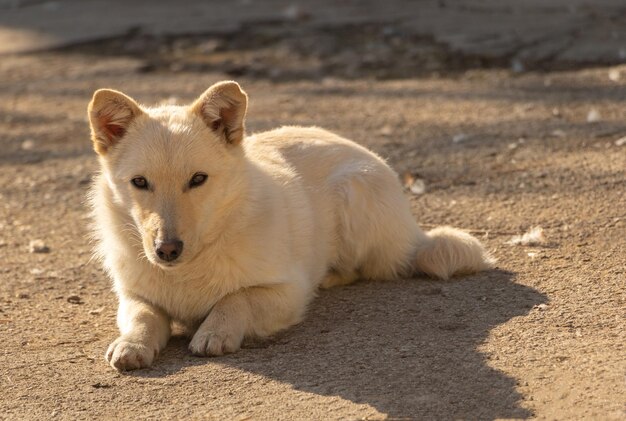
<point>281,213</point>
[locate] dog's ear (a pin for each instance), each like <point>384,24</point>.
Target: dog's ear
<point>222,107</point>
<point>110,114</point>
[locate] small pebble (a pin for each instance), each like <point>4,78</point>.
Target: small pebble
<point>558,133</point>
<point>614,75</point>
<point>542,307</point>
<point>534,237</point>
<point>96,311</point>
<point>593,116</point>
<point>22,295</point>
<point>418,187</point>
<point>386,131</point>
<point>74,299</point>
<point>621,141</point>
<point>413,183</point>
<point>28,145</point>
<point>459,137</point>
<point>38,246</point>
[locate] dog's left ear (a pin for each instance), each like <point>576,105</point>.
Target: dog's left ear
<point>223,109</point>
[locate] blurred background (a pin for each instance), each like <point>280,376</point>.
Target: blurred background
<point>282,39</point>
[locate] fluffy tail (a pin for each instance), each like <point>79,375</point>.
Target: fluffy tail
<point>449,251</point>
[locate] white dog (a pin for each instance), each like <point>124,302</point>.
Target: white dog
<point>231,235</point>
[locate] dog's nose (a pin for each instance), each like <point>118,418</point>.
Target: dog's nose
<point>169,250</point>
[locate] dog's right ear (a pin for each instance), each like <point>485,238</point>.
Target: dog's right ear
<point>110,114</point>
<point>222,107</point>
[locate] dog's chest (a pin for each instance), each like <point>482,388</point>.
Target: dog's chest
<point>184,300</point>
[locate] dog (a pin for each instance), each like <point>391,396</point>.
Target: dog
<point>231,235</point>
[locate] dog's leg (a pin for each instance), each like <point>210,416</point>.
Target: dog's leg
<point>144,330</point>
<point>255,311</point>
<point>335,278</point>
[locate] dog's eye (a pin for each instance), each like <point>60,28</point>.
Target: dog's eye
<point>198,179</point>
<point>140,183</point>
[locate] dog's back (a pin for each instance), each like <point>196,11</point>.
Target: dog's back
<point>361,210</point>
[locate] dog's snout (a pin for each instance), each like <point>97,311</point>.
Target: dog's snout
<point>169,250</point>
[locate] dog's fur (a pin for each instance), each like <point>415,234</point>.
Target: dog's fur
<point>281,213</point>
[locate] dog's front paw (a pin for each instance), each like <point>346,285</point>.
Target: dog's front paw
<point>124,354</point>
<point>213,342</point>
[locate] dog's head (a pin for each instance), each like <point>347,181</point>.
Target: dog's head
<point>175,169</point>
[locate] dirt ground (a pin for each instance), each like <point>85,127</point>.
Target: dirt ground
<point>540,337</point>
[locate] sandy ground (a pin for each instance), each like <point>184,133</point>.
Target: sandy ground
<point>540,337</point>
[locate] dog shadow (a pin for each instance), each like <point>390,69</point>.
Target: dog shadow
<point>408,348</point>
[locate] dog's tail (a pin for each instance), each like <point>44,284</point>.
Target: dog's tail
<point>447,251</point>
